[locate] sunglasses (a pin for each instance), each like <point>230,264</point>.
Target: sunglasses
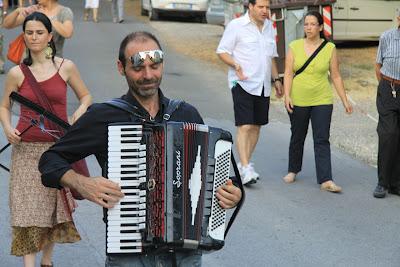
<point>156,56</point>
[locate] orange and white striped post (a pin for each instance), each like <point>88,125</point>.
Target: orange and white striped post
<point>327,15</point>
<point>273,19</point>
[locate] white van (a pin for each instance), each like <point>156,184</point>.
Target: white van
<point>363,20</point>
<point>153,8</point>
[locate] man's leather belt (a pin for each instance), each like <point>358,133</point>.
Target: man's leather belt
<point>394,81</point>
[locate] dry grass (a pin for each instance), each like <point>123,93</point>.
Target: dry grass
<point>358,70</point>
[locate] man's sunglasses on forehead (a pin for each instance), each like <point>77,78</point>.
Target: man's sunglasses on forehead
<point>156,56</point>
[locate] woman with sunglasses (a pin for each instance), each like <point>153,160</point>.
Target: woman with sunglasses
<point>308,96</point>
<point>40,216</point>
<point>61,18</point>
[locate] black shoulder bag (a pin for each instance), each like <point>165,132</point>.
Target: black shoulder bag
<point>311,58</point>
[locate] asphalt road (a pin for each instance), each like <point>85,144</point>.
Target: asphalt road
<point>279,225</point>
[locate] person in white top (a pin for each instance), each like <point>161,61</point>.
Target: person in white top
<point>248,47</point>
<point>94,6</point>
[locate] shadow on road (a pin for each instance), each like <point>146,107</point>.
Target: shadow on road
<point>177,17</point>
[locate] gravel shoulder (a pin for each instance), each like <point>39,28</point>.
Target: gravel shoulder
<point>354,134</point>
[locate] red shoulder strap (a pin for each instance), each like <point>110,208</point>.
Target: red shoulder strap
<point>60,65</point>
<point>40,95</point>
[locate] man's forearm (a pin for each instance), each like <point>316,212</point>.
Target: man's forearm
<point>378,71</point>
<point>70,179</point>
<point>227,59</point>
<point>274,69</point>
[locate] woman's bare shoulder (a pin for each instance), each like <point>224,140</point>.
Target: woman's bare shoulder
<point>15,73</point>
<point>64,63</point>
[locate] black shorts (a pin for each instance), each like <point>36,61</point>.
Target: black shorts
<point>249,109</point>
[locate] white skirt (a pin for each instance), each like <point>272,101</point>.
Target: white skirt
<point>91,3</point>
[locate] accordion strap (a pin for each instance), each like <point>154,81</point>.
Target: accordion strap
<point>126,106</point>
<point>173,105</point>
<point>239,205</point>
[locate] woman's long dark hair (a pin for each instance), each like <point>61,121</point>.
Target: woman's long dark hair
<point>320,20</point>
<point>38,16</point>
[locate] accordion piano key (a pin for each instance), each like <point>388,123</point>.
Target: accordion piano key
<point>122,173</point>
<point>124,140</point>
<point>125,128</point>
<point>120,217</point>
<point>131,181</point>
<point>128,211</point>
<point>128,249</point>
<point>140,156</point>
<point>127,205</point>
<point>117,153</point>
<point>126,163</point>
<point>124,176</point>
<point>132,190</point>
<point>118,228</point>
<point>128,242</point>
<point>126,147</point>
<point>125,223</point>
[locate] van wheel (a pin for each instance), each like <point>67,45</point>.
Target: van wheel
<point>153,14</point>
<point>143,11</point>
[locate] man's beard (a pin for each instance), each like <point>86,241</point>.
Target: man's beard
<point>136,89</point>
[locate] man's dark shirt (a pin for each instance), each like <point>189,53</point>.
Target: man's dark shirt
<point>89,136</point>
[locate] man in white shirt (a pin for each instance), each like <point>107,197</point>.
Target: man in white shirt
<point>248,47</point>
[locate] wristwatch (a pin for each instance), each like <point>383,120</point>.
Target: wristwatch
<point>276,79</point>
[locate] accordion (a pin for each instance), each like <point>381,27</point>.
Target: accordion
<point>169,174</point>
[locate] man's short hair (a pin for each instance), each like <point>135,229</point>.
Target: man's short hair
<point>140,37</point>
<point>253,2</point>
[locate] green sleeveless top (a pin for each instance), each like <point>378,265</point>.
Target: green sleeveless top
<point>311,87</point>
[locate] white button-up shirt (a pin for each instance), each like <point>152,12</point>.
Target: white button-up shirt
<point>253,51</point>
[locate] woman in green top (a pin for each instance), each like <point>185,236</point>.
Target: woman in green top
<point>308,96</point>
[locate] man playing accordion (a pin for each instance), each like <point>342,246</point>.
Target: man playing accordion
<point>141,62</point>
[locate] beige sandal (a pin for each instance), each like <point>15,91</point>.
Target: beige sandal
<point>289,178</point>
<point>330,186</point>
